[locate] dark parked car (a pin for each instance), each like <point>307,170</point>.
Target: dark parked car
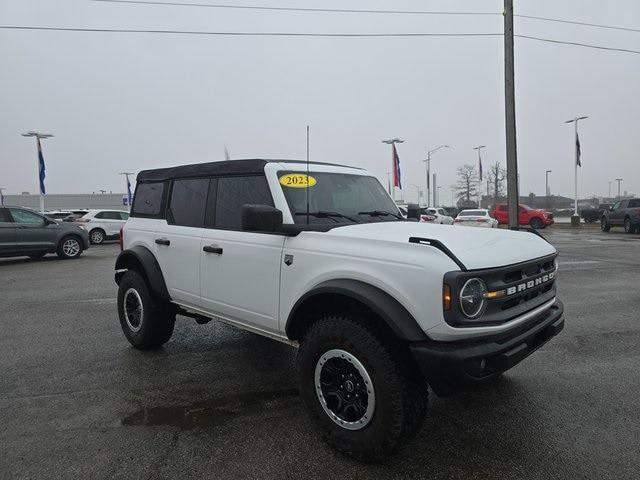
<point>26,233</point>
<point>594,214</point>
<point>625,213</point>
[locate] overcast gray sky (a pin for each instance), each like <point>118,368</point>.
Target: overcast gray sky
<point>135,101</point>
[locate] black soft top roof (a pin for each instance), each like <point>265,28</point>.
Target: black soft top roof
<point>226,167</point>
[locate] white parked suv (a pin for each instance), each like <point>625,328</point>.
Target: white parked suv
<point>381,307</point>
<point>440,215</point>
<point>102,224</point>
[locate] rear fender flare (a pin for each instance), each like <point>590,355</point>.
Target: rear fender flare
<point>141,259</point>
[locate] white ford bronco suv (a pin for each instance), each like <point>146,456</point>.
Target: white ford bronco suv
<point>379,306</point>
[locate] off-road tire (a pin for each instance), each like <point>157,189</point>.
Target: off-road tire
<point>157,318</point>
<point>401,393</point>
<point>536,223</point>
<point>628,226</point>
<point>65,252</point>
<point>99,235</point>
<point>604,225</point>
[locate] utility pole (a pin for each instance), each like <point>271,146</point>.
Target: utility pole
<point>575,219</point>
<point>510,116</point>
<point>428,166</point>
<point>609,188</point>
<point>479,148</point>
<point>392,142</point>
<point>126,176</point>
<point>619,180</point>
<point>546,189</point>
<point>40,159</point>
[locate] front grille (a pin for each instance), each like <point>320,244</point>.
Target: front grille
<point>523,281</point>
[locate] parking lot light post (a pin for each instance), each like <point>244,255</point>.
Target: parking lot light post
<point>428,167</point>
<point>546,186</point>
<point>619,180</point>
<point>39,136</point>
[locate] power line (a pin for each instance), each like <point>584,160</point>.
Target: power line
<point>294,9</point>
<point>578,44</point>
<point>247,34</point>
<point>352,10</point>
<point>303,34</point>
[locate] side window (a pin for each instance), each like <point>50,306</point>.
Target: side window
<point>124,215</point>
<point>616,206</point>
<point>635,203</point>
<point>24,216</point>
<point>233,193</point>
<point>100,215</point>
<point>188,202</point>
<point>147,201</point>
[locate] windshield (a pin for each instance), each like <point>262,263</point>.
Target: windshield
<point>337,198</point>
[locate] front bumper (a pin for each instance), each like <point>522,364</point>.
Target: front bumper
<point>448,366</point>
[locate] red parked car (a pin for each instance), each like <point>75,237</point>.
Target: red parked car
<point>536,217</point>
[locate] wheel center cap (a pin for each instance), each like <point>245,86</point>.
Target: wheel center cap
<point>348,386</point>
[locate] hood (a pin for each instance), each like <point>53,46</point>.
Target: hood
<point>475,247</point>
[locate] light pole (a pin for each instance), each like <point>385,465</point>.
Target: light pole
<point>479,148</point>
<point>392,142</point>
<point>575,219</point>
<point>126,176</point>
<point>438,196</point>
<point>428,166</point>
<point>2,196</point>
<point>546,184</point>
<point>619,180</point>
<point>39,162</point>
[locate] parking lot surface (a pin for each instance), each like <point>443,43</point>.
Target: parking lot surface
<point>76,401</point>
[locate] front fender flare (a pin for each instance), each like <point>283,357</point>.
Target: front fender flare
<point>393,314</point>
<point>141,259</point>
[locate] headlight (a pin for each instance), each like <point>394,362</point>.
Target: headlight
<point>472,297</point>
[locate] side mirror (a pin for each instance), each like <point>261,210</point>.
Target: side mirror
<point>413,211</point>
<point>261,218</point>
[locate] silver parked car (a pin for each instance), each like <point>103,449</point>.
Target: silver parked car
<point>26,233</point>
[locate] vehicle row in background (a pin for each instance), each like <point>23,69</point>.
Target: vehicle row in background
<point>624,213</point>
<point>26,233</point>
<point>476,218</point>
<point>102,224</point>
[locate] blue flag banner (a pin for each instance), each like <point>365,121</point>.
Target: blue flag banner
<point>41,168</point>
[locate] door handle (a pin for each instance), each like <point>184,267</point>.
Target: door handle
<point>212,249</point>
<point>163,241</point>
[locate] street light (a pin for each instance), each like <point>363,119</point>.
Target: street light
<point>619,180</point>
<point>546,184</point>
<point>392,142</point>
<point>39,136</point>
<point>575,220</point>
<point>428,162</point>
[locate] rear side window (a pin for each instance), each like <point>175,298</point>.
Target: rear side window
<point>188,202</point>
<point>124,216</point>
<point>108,215</point>
<point>634,203</point>
<point>233,193</point>
<point>24,216</point>
<point>148,199</point>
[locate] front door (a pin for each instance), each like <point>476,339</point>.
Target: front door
<point>240,271</point>
<point>34,232</point>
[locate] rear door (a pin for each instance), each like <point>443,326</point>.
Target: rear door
<point>8,233</point>
<point>177,242</point>
<point>34,231</point>
<point>111,221</point>
<point>240,271</point>
<point>617,214</point>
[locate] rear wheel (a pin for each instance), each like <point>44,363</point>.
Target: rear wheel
<point>69,247</point>
<point>97,236</point>
<point>146,322</point>
<point>604,225</point>
<point>628,226</point>
<point>364,394</point>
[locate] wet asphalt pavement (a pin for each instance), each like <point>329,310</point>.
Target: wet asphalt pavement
<point>76,401</point>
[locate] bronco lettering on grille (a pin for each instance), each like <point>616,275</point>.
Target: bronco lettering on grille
<point>522,287</point>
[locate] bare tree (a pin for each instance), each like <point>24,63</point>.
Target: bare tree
<point>465,188</point>
<point>497,177</point>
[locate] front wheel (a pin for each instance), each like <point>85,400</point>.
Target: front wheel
<point>146,322</point>
<point>536,223</point>
<point>97,236</point>
<point>604,225</point>
<point>363,393</point>
<point>69,247</point>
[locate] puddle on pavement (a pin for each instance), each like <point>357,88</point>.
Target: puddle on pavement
<point>209,412</point>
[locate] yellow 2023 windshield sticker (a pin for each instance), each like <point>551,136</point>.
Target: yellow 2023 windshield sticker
<point>297,180</point>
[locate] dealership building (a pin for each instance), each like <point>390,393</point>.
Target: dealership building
<point>69,201</point>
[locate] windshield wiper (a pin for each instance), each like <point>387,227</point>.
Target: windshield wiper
<point>381,213</point>
<point>324,214</point>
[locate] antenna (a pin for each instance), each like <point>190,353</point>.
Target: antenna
<point>307,174</point>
